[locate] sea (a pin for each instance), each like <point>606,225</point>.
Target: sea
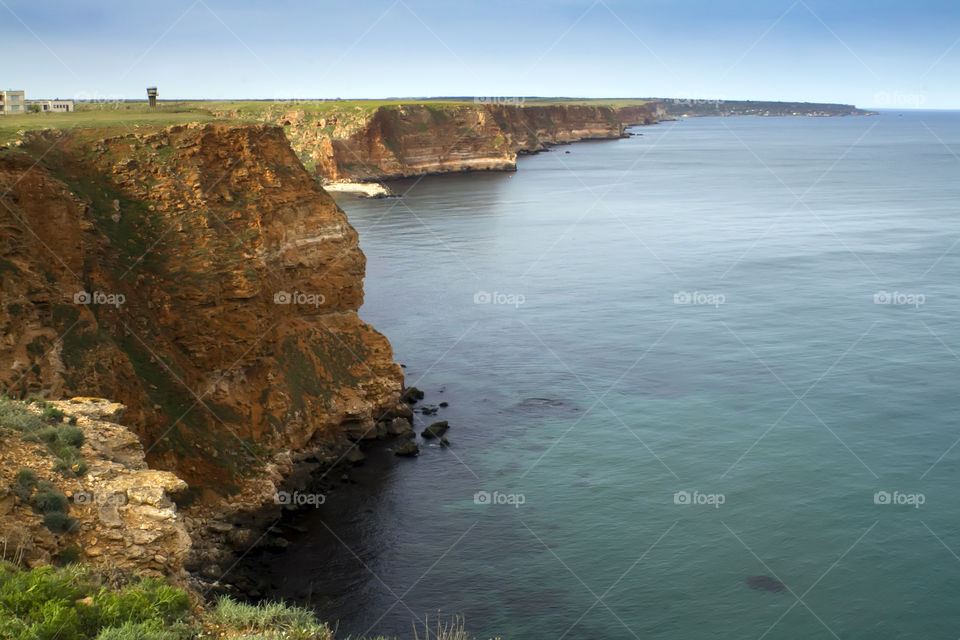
<point>718,349</point>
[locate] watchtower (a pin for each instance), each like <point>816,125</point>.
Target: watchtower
<point>152,96</point>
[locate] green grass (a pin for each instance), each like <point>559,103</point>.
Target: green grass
<point>269,620</point>
<point>73,603</point>
<point>117,120</point>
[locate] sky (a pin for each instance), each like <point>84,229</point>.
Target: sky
<point>872,53</point>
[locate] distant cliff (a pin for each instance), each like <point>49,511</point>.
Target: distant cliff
<point>415,139</point>
<point>200,276</point>
<point>685,108</point>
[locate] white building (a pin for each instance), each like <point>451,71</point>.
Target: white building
<point>12,102</point>
<point>52,106</point>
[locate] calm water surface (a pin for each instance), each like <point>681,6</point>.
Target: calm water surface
<point>547,307</point>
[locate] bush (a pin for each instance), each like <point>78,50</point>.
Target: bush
<point>59,522</point>
<point>16,417</point>
<point>71,436</point>
<point>26,477</point>
<point>68,555</point>
<point>47,434</point>
<point>25,482</point>
<point>52,414</point>
<point>49,500</point>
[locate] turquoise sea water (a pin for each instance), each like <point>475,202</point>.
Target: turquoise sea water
<point>782,390</point>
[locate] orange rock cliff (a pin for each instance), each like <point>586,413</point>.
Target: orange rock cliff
<point>200,276</point>
<point>398,141</point>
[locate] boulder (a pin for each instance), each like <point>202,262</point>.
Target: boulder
<point>406,448</point>
<point>401,428</point>
<point>410,395</point>
<point>435,430</point>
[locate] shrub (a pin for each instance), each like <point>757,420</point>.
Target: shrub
<point>49,500</point>
<point>52,414</point>
<point>47,434</point>
<point>68,555</point>
<point>59,522</point>
<point>16,417</point>
<point>25,482</point>
<point>26,477</point>
<point>69,435</point>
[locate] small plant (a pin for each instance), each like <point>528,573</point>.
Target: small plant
<point>25,483</point>
<point>49,500</point>
<point>52,414</point>
<point>68,555</point>
<point>70,435</point>
<point>59,522</point>
<point>16,417</point>
<point>26,477</point>
<point>454,629</point>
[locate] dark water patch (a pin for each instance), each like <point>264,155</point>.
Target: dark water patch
<point>765,583</point>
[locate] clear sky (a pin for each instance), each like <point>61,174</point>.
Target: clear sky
<point>872,53</point>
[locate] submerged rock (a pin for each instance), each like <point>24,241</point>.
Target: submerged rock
<point>765,583</point>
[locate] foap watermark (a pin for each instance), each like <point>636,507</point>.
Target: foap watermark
<point>299,297</point>
<point>498,497</point>
<point>298,499</point>
<point>496,297</point>
<point>696,102</point>
<point>295,102</point>
<point>695,497</point>
<point>899,99</point>
<point>99,297</point>
<point>702,298</point>
<point>899,498</point>
<point>899,298</point>
<point>100,499</point>
<point>85,97</point>
<point>499,99</point>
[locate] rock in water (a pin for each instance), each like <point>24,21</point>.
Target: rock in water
<point>411,395</point>
<point>407,448</point>
<point>766,583</point>
<point>436,430</point>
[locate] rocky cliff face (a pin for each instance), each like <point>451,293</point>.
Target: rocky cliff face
<point>417,139</point>
<point>121,512</point>
<point>200,276</point>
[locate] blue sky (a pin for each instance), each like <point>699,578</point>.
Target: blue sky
<point>868,52</point>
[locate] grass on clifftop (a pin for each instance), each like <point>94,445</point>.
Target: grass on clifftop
<point>124,116</point>
<point>116,119</point>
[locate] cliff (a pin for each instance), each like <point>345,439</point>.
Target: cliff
<point>198,275</point>
<point>397,141</point>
